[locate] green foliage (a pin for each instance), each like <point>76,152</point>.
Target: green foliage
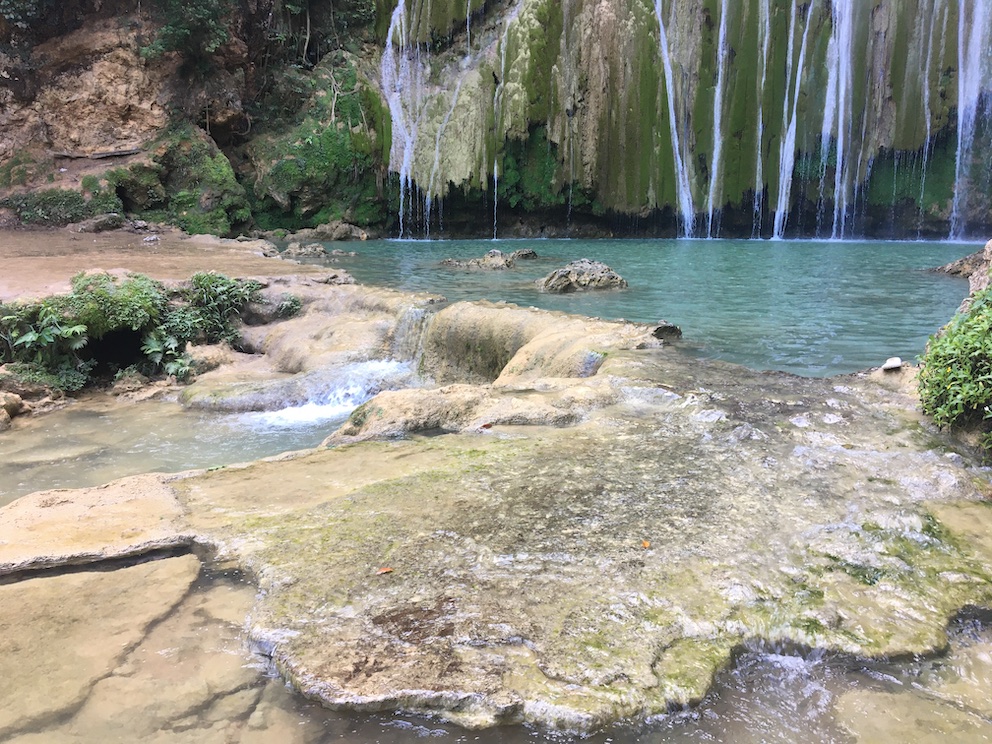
<point>46,341</point>
<point>328,165</point>
<point>49,207</point>
<point>217,300</point>
<point>57,207</point>
<point>20,170</point>
<point>21,13</point>
<point>289,306</point>
<point>530,168</point>
<point>190,184</point>
<point>194,28</point>
<point>955,382</point>
<point>104,303</point>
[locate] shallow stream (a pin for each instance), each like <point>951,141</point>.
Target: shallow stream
<point>809,308</point>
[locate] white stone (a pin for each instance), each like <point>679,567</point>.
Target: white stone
<point>892,363</point>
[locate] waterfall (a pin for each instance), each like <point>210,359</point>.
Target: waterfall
<point>787,146</point>
<point>722,52</point>
<point>402,72</point>
<point>498,113</point>
<point>973,64</point>
<point>495,194</point>
<point>687,212</point>
<point>939,11</point>
<point>765,28</point>
<point>838,113</point>
<point>433,186</point>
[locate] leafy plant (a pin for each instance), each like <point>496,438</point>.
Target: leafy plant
<point>195,28</point>
<point>289,306</point>
<point>955,382</point>
<point>218,300</point>
<point>167,353</point>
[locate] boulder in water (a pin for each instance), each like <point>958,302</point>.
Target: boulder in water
<point>581,275</point>
<point>494,260</point>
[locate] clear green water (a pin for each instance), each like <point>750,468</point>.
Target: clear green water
<point>813,308</point>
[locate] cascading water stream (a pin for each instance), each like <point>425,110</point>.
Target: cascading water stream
<point>837,118</point>
<point>723,53</point>
<point>940,12</point>
<point>974,68</point>
<point>498,112</point>
<point>765,28</point>
<point>787,146</point>
<point>683,185</point>
<point>402,74</point>
<point>433,184</point>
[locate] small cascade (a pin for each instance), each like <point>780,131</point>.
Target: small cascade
<point>402,73</point>
<point>974,68</point>
<point>495,194</point>
<point>765,30</point>
<point>723,52</point>
<point>938,16</point>
<point>837,116</point>
<point>793,87</point>
<point>468,24</point>
<point>683,183</point>
<point>408,334</point>
<point>335,393</point>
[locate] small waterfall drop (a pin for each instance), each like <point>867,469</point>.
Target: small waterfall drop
<point>787,146</point>
<point>683,185</point>
<point>974,67</point>
<point>939,15</point>
<point>402,72</point>
<point>837,116</point>
<point>722,52</point>
<point>495,195</point>
<point>765,29</point>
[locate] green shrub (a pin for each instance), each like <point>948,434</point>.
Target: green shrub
<point>194,28</point>
<point>218,300</point>
<point>49,207</point>
<point>45,341</point>
<point>289,306</point>
<point>955,381</point>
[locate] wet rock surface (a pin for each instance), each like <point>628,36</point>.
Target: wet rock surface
<point>572,571</point>
<point>74,630</point>
<point>582,275</point>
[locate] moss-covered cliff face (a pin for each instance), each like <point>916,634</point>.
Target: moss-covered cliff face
<point>705,116</point>
<point>216,115</point>
<point>697,117</point>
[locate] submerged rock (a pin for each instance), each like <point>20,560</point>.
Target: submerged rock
<point>494,260</point>
<point>100,223</point>
<point>581,275</point>
<point>73,630</point>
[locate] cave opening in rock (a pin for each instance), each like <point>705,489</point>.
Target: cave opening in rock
<point>114,351</point>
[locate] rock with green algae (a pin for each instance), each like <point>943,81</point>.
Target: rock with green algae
<point>572,577</point>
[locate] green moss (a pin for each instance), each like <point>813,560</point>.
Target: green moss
<point>22,169</point>
<point>52,207</point>
<point>329,165</point>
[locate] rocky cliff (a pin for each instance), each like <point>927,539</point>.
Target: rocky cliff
<point>705,118</point>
